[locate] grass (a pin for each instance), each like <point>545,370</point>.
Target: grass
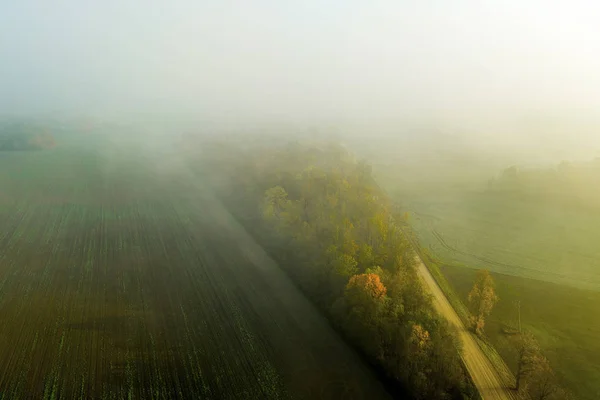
<point>545,256</point>
<point>120,279</point>
<point>513,236</point>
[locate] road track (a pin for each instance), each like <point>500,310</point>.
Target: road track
<point>483,373</point>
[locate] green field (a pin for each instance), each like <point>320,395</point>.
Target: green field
<point>121,277</point>
<point>544,255</point>
<point>513,236</point>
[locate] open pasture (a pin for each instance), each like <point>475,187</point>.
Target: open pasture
<point>512,236</point>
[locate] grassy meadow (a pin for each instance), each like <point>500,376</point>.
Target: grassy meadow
<point>121,277</point>
<point>512,236</point>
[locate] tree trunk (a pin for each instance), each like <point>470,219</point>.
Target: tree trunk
<point>518,375</point>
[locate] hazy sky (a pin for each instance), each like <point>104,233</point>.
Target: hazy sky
<point>303,59</point>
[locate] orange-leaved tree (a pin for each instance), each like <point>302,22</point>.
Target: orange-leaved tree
<point>363,308</point>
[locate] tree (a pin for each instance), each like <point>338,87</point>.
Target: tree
<point>341,263</point>
<point>420,338</point>
<point>275,202</point>
<point>482,299</point>
<point>534,373</point>
<point>364,303</point>
<point>510,173</point>
<point>529,361</point>
<point>366,286</point>
<point>543,385</point>
<point>365,256</point>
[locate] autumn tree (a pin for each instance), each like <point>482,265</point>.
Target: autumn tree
<point>543,384</point>
<point>363,303</point>
<point>482,299</point>
<point>529,358</point>
<point>365,288</point>
<point>534,374</point>
<point>419,344</point>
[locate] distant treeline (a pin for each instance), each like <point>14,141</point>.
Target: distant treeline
<point>567,184</point>
<point>321,215</point>
<point>19,137</point>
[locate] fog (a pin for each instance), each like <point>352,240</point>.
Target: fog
<point>508,74</point>
<point>283,199</point>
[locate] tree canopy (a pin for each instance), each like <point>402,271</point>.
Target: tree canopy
<point>320,213</point>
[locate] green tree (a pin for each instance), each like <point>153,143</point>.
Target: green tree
<point>275,202</point>
<point>342,264</point>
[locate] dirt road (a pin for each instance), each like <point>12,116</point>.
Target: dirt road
<point>482,372</point>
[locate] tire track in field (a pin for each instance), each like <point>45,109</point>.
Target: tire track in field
<point>524,271</point>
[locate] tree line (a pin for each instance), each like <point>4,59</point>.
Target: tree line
<point>321,215</point>
<point>571,184</point>
<point>19,138</point>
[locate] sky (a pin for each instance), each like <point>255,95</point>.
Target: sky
<point>475,65</point>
